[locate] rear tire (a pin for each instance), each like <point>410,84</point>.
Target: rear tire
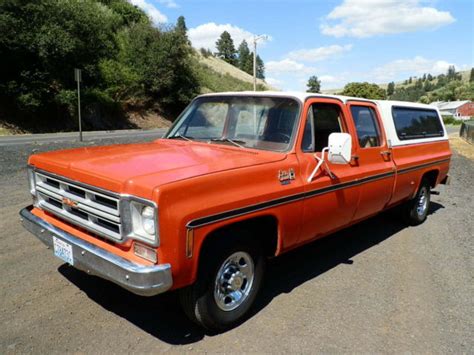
<point>416,210</point>
<point>230,274</point>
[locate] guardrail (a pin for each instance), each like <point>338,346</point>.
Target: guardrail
<point>467,131</point>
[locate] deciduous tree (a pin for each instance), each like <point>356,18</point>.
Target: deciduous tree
<point>314,84</point>
<point>365,90</point>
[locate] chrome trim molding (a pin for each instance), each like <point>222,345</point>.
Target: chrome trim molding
<point>203,221</point>
<point>140,279</point>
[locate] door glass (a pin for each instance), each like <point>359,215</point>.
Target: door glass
<point>366,126</point>
<point>322,120</point>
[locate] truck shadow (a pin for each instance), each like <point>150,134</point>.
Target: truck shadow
<point>162,317</point>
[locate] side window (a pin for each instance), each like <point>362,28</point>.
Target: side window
<point>367,127</point>
<point>322,120</point>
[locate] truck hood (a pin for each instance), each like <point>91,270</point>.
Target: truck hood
<point>139,168</point>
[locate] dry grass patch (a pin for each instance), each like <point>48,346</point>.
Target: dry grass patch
<point>461,146</point>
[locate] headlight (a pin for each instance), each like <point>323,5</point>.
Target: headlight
<point>148,220</point>
<point>141,220</point>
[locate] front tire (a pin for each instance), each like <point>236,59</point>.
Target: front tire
<point>416,210</point>
<point>229,278</point>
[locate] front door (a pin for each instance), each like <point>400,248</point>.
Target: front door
<point>330,203</point>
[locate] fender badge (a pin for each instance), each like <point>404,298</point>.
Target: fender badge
<point>68,202</point>
<point>285,177</point>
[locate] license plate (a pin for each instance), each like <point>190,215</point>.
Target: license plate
<point>63,250</point>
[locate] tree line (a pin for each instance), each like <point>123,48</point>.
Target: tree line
<point>126,62</point>
<point>241,58</point>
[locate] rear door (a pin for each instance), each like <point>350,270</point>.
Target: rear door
<point>373,158</point>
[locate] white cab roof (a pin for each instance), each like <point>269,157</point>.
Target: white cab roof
<point>302,96</point>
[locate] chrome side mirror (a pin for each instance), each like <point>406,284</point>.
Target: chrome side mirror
<point>340,148</point>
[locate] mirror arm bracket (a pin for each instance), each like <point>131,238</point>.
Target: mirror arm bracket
<point>321,161</point>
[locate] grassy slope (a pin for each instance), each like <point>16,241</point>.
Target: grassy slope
<point>215,75</point>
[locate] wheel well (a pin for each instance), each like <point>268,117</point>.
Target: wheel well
<point>264,229</point>
<point>432,177</point>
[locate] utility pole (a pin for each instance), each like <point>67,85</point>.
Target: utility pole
<point>78,78</point>
<point>255,39</point>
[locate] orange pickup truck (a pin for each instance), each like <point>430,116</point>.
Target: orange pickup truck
<point>238,178</point>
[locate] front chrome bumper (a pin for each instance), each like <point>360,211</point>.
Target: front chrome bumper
<point>139,279</point>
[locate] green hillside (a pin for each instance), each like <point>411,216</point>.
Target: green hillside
<point>450,86</point>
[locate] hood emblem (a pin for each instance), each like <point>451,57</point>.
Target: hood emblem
<point>285,176</point>
<point>68,202</point>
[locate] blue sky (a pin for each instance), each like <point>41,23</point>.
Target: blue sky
<point>338,40</point>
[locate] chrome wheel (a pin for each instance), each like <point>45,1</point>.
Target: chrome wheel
<point>422,203</point>
<point>234,281</point>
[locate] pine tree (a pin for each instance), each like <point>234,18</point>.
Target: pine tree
<point>430,77</point>
<point>225,48</point>
<point>314,85</point>
<point>260,68</point>
<point>428,86</point>
<point>181,25</point>
<point>390,88</point>
<point>182,29</point>
<point>245,58</point>
<point>451,75</point>
<point>419,84</point>
<point>471,77</point>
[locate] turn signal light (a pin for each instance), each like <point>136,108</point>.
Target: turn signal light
<point>145,252</point>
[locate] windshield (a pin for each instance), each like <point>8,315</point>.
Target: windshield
<point>266,123</point>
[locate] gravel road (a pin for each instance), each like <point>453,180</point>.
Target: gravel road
<point>376,287</point>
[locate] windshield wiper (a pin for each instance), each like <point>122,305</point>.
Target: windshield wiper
<point>234,142</point>
<point>179,135</point>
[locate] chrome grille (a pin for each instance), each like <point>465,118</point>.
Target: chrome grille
<point>98,212</point>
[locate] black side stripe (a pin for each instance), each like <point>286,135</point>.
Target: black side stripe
<point>413,168</point>
<point>291,198</point>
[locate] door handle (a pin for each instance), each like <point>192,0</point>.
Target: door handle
<point>385,153</point>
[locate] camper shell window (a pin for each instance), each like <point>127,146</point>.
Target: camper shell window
<point>414,123</point>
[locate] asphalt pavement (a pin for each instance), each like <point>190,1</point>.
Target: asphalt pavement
<point>377,287</point>
<point>74,136</point>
